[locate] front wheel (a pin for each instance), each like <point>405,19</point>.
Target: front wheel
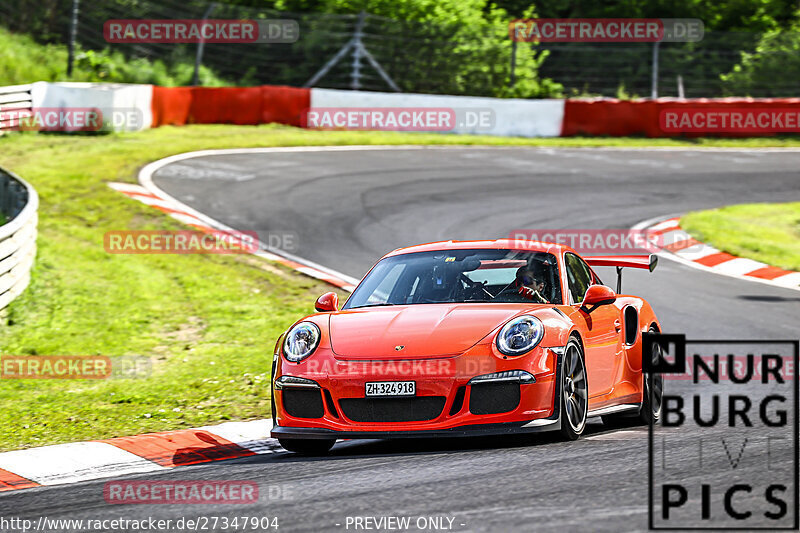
<point>308,446</point>
<point>574,392</point>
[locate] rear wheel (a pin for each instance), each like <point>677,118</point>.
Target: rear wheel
<point>308,446</point>
<point>574,391</point>
<point>652,410</point>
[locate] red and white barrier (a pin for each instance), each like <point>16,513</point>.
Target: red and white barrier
<point>124,107</point>
<point>229,105</point>
<point>157,106</point>
<point>622,118</point>
<point>511,117</point>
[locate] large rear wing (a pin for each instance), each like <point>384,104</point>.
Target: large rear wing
<point>621,261</point>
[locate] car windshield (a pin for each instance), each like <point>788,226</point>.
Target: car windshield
<point>456,276</point>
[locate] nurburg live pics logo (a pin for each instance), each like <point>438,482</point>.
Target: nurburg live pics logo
<point>725,455</point>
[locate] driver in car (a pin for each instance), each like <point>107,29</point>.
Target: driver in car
<point>530,285</point>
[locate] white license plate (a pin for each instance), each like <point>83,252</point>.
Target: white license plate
<point>391,388</point>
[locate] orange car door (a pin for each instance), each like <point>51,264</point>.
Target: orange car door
<point>602,339</point>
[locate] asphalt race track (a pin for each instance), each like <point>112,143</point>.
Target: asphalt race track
<point>347,208</point>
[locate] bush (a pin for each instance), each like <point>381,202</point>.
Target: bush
<point>22,60</point>
<point>773,69</point>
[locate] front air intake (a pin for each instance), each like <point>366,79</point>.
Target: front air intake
<point>415,409</point>
<point>493,397</point>
<point>303,403</point>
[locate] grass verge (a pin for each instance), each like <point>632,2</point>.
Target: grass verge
<point>207,323</point>
<point>769,233</point>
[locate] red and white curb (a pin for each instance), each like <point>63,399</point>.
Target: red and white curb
<point>200,222</point>
<point>152,452</point>
<point>678,245</point>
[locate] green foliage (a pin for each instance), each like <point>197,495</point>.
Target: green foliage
<point>738,15</point>
<point>773,69</point>
<point>114,67</point>
<point>453,47</point>
<point>430,46</point>
<point>22,60</point>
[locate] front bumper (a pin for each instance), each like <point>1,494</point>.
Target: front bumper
<point>341,383</point>
<point>475,430</point>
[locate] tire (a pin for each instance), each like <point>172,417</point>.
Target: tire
<point>308,446</point>
<point>650,412</point>
<point>574,395</point>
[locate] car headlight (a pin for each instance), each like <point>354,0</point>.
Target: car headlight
<point>520,335</point>
<point>301,341</point>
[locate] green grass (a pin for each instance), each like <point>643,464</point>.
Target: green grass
<point>769,233</point>
<point>208,323</point>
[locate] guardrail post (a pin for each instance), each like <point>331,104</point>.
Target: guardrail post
<point>73,35</point>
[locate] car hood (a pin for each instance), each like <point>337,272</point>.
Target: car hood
<point>424,331</point>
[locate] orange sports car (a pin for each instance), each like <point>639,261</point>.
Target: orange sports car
<point>466,338</point>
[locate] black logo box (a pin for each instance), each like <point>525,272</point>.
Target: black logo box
<point>675,345</point>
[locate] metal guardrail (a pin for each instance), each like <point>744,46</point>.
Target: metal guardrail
<point>16,98</point>
<point>19,203</point>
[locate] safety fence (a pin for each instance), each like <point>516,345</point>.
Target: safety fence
<point>19,204</point>
<point>422,57</point>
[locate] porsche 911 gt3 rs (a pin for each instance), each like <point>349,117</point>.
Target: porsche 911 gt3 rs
<point>466,338</point>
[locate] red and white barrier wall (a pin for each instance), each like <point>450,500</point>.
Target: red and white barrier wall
<point>695,117</point>
<point>229,105</point>
<point>512,117</point>
<point>128,106</point>
<point>159,106</point>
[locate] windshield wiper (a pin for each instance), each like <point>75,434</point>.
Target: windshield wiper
<point>372,305</point>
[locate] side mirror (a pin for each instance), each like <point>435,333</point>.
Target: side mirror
<point>327,302</point>
<point>598,295</point>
